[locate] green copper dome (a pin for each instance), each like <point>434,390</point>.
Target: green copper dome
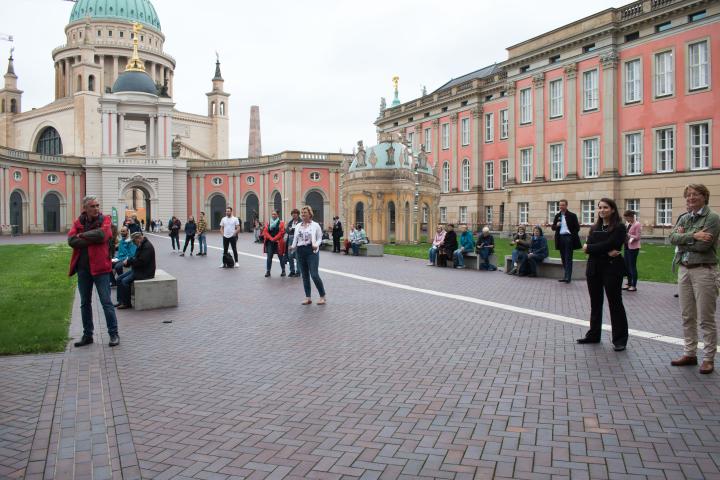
<point>140,11</point>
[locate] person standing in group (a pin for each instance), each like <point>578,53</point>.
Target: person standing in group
<point>485,247</point>
<point>230,228</point>
<point>190,231</point>
<point>696,235</point>
<point>632,249</point>
<point>152,226</point>
<point>174,228</point>
<point>202,240</point>
<point>89,238</point>
<point>337,232</point>
<point>466,245</point>
<point>159,225</point>
<point>274,242</point>
<point>134,225</point>
<point>142,267</point>
<point>290,232</point>
<point>605,272</point>
<point>567,237</point>
<point>436,243</point>
<point>307,240</point>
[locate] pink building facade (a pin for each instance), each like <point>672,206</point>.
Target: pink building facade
<point>621,104</point>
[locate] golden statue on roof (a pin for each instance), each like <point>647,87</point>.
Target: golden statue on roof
<point>135,64</point>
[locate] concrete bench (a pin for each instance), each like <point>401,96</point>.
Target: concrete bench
<point>158,292</point>
<point>553,268</point>
<point>326,244</point>
<point>371,250</point>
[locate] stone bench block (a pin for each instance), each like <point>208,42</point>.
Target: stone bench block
<point>552,268</point>
<point>371,250</point>
<point>158,292</point>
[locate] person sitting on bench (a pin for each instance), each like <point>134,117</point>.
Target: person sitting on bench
<point>143,268</point>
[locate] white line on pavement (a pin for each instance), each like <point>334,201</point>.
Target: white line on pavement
<point>486,303</point>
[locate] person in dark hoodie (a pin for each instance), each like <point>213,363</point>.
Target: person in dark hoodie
<point>174,227</point>
<point>143,267</point>
<point>190,230</point>
<point>449,245</point>
<point>537,253</point>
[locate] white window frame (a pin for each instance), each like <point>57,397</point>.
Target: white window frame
<point>525,106</point>
<point>463,214</point>
<point>663,211</point>
<point>250,180</point>
<point>216,181</point>
<point>634,205</point>
<point>465,131</point>
<point>632,81</point>
<point>553,209</point>
<point>445,177</point>
<point>490,175</point>
<point>633,142</point>
<point>704,149</point>
<point>428,139</point>
<point>504,124</point>
<point>489,127</point>
<point>465,175</point>
<point>698,69</point>
<point>504,173</point>
<point>587,212</point>
<point>445,134</point>
<point>315,176</point>
<point>661,154</point>
<point>523,213</point>
<point>591,165</point>
<point>664,74</point>
<point>557,162</point>
<point>591,90</point>
<point>556,98</point>
<point>443,214</point>
<point>526,165</point>
<point>53,179</point>
<point>489,215</point>
<point>425,214</point>
<point>411,140</point>
<point>17,175</point>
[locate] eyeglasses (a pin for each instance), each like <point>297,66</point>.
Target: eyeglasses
<point>96,205</point>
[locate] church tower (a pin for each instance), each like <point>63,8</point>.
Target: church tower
<point>10,104</point>
<point>219,114</point>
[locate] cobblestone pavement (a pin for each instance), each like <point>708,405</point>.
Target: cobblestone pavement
<point>390,379</point>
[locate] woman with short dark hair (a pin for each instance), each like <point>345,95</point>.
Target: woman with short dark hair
<point>632,249</point>
<point>605,272</point>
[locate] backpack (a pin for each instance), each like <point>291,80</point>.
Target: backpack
<point>228,261</point>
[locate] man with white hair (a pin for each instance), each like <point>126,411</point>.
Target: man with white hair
<point>485,248</point>
<point>90,238</point>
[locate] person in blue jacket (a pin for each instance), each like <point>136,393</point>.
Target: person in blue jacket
<point>126,249</point>
<point>537,253</point>
<point>467,244</point>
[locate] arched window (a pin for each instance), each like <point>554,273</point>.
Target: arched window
<point>315,200</point>
<point>466,175</point>
<point>91,83</point>
<point>222,108</point>
<point>277,203</point>
<point>79,83</point>
<point>360,213</point>
<point>212,108</point>
<point>446,177</point>
<point>49,142</point>
<point>13,105</point>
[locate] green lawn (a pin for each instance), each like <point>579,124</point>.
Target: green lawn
<point>36,298</point>
<point>654,262</point>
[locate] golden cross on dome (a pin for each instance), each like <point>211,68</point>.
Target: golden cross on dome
<point>135,64</point>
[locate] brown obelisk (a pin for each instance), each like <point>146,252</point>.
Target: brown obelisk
<point>254,145</point>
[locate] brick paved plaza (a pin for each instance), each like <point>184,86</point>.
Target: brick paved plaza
<point>407,372</point>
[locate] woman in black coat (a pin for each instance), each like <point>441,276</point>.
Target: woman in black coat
<point>605,272</point>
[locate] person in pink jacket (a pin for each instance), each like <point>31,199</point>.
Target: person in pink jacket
<point>632,249</point>
<point>437,241</point>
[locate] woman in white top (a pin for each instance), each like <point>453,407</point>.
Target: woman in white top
<point>306,242</point>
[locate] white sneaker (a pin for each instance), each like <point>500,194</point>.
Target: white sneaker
<point>429,264</point>
<point>221,266</point>
<point>237,265</point>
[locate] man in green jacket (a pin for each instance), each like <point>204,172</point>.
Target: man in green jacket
<point>696,236</point>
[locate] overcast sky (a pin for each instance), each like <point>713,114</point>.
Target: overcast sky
<point>317,69</point>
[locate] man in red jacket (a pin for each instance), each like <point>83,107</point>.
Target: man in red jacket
<point>89,238</point>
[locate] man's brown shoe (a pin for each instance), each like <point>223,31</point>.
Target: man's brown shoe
<point>707,367</point>
<point>684,361</point>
